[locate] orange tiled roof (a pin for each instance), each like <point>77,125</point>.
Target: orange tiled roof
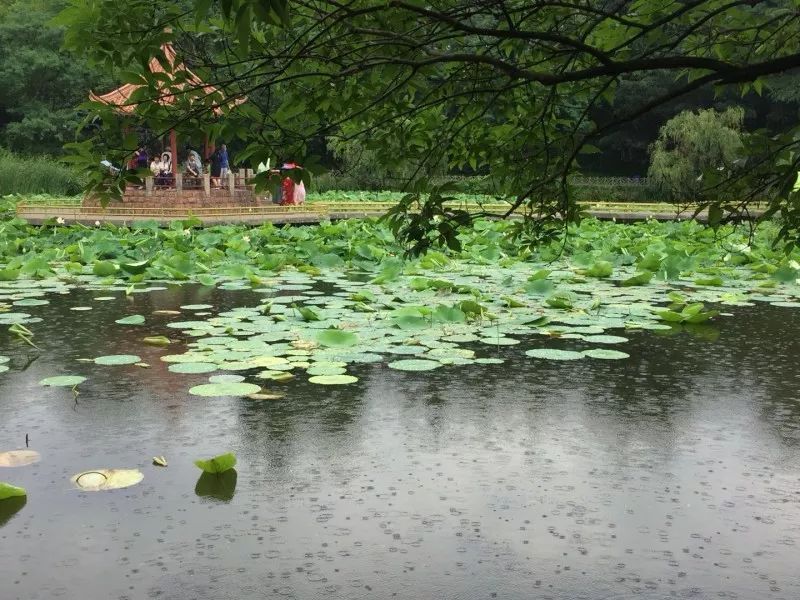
<point>120,97</point>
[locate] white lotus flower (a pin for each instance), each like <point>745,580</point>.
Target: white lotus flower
<point>246,238</point>
<point>60,220</point>
<point>187,232</point>
<point>97,223</point>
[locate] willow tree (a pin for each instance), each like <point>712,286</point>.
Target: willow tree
<point>692,144</point>
<point>503,86</point>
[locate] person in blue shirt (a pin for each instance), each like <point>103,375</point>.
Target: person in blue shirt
<point>224,163</point>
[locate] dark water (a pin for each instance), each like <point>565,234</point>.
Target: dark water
<point>674,474</point>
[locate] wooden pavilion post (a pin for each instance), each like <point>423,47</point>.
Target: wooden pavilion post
<point>173,146</point>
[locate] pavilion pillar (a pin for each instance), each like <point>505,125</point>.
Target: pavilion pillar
<point>232,183</point>
<point>178,181</point>
<point>173,147</point>
<point>206,184</point>
<point>148,185</point>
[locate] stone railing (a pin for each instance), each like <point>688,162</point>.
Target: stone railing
<point>235,180</point>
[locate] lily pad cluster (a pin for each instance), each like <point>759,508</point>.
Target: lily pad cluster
<point>338,295</point>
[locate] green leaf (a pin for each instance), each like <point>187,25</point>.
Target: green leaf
<point>63,381</point>
<point>135,268</point>
<point>340,379</point>
<point>219,390</point>
<point>307,313</point>
<point>131,320</point>
<point>638,279</point>
<point>600,269</point>
<point>553,354</point>
<point>117,359</point>
<point>11,491</point>
<point>104,268</point>
<point>218,464</point>
<point>337,338</point>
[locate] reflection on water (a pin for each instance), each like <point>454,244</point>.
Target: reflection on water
<point>220,486</point>
<point>675,473</point>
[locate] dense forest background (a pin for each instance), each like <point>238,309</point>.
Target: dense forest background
<point>42,86</point>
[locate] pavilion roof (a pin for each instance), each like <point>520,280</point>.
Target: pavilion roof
<point>120,98</point>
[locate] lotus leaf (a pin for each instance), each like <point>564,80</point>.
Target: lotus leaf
<point>605,339</point>
<point>218,464</point>
<point>333,379</point>
<point>19,458</point>
<point>104,268</point>
<point>553,354</point>
<point>31,302</point>
<point>63,381</point>
<point>337,338</point>
<point>226,379</point>
<point>638,279</point>
<point>325,370</point>
<point>11,491</point>
<point>131,320</point>
<point>107,479</point>
<point>117,359</point>
<point>188,368</point>
<point>224,389</point>
<point>415,365</point>
<point>499,341</point>
<point>605,354</point>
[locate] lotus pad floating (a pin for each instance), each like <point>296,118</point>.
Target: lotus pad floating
<point>333,379</point>
<point>11,491</point>
<point>415,365</point>
<point>337,338</point>
<point>489,361</point>
<point>551,354</point>
<point>325,370</point>
<point>499,341</point>
<point>107,479</point>
<point>19,458</point>
<point>196,307</point>
<point>4,360</point>
<point>226,379</point>
<point>605,354</point>
<point>31,302</point>
<point>605,339</point>
<point>117,359</point>
<point>132,320</point>
<point>63,381</point>
<point>192,367</point>
<point>216,390</point>
<point>218,464</point>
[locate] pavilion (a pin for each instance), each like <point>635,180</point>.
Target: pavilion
<point>123,101</point>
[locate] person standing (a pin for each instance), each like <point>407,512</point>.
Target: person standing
<point>141,159</point>
<point>224,162</point>
<point>215,169</point>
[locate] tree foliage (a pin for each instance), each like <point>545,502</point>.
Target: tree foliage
<point>42,84</point>
<point>506,86</point>
<point>692,144</point>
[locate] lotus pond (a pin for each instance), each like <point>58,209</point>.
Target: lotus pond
<point>614,417</point>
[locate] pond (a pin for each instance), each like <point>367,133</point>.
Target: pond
<point>672,473</point>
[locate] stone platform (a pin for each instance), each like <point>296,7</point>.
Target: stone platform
<point>187,199</point>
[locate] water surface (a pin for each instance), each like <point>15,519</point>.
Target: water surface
<point>675,473</point>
